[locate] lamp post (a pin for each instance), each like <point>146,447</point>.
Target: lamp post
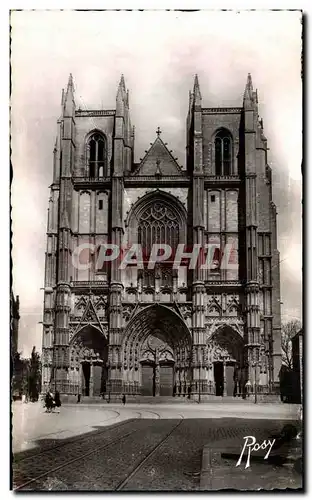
<point>199,381</point>
<point>256,363</point>
<point>255,383</point>
<point>108,385</point>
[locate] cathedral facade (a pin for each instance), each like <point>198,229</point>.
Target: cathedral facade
<point>114,325</point>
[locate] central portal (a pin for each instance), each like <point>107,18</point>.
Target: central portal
<point>157,366</point>
<point>156,354</point>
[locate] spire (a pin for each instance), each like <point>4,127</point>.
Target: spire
<point>249,82</point>
<point>248,94</point>
<point>121,97</point>
<point>122,84</point>
<point>70,84</point>
<point>196,90</point>
<point>69,102</point>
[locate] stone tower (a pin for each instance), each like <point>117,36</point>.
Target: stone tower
<point>117,324</point>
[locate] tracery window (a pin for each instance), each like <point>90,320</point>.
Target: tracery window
<point>158,224</point>
<point>97,157</point>
<point>223,153</point>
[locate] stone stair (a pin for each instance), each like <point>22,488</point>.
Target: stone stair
<point>155,400</point>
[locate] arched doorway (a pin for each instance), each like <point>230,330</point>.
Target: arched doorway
<point>88,360</point>
<point>157,366</point>
<point>156,353</point>
<point>226,371</point>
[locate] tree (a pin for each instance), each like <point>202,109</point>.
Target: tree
<point>289,329</point>
<point>19,375</point>
<point>34,376</point>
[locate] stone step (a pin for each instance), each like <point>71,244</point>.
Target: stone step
<point>132,399</point>
<point>158,400</point>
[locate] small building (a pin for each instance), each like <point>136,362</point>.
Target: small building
<point>297,354</point>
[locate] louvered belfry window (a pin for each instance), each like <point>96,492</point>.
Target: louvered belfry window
<point>223,153</point>
<point>97,156</point>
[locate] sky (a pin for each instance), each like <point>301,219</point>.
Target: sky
<point>159,54</point>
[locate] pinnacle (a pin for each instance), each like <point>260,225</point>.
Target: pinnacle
<point>122,83</point>
<point>196,89</point>
<point>249,81</point>
<point>70,82</point>
<point>248,94</point>
<point>69,103</point>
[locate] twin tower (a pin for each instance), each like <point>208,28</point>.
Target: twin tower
<point>207,332</point>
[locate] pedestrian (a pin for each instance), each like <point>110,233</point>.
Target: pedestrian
<point>57,399</point>
<point>124,399</point>
<point>78,398</point>
<point>49,402</point>
<point>189,390</point>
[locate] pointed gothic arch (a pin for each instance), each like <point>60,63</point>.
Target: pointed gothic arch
<point>157,344</point>
<point>156,196</point>
<point>223,152</point>
<point>88,352</point>
<point>157,218</point>
<point>225,351</point>
<point>96,154</point>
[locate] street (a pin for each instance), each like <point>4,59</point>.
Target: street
<point>125,448</point>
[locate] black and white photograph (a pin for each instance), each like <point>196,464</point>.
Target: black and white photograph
<point>156,284</point>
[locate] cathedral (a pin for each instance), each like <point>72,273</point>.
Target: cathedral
<point>197,331</point>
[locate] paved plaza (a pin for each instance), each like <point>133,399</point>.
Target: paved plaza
<point>133,447</point>
<point>31,423</point>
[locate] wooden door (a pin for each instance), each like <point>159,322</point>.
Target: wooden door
<point>85,376</point>
<point>230,384</point>
<point>218,377</point>
<point>147,380</point>
<point>166,380</point>
<point>97,379</point>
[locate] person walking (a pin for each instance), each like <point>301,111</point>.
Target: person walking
<point>124,399</point>
<point>49,402</point>
<point>57,399</point>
